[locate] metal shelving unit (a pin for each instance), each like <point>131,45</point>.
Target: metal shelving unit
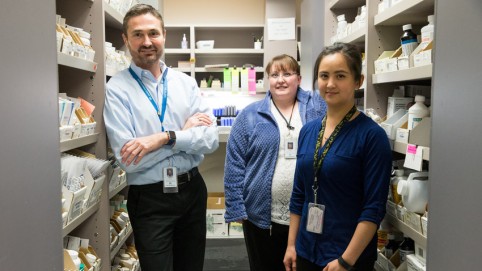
<point>78,142</point>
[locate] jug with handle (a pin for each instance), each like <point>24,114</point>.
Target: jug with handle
<point>414,192</point>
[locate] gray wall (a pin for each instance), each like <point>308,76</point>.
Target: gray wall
<point>454,229</point>
<point>30,227</point>
<point>312,24</point>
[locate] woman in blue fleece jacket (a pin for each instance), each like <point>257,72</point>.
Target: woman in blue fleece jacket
<point>342,175</point>
<point>261,159</point>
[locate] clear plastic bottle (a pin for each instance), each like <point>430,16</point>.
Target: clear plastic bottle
<point>408,40</point>
<point>184,42</point>
<point>417,112</point>
<point>406,247</point>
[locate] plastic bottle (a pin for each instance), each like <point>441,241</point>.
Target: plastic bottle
<point>341,29</point>
<point>394,184</point>
<point>382,234</point>
<point>75,258</point>
<point>406,247</point>
<point>428,30</point>
<point>184,42</point>
<point>417,112</point>
<point>408,40</point>
<point>391,247</point>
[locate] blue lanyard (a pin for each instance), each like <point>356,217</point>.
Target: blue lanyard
<point>149,96</point>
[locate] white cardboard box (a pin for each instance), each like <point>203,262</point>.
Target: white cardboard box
<point>397,103</point>
<point>215,223</point>
<point>394,122</point>
<point>415,264</point>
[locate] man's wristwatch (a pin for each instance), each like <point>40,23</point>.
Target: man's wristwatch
<point>171,135</point>
<point>345,265</point>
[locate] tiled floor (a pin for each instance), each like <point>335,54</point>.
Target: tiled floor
<point>226,254</point>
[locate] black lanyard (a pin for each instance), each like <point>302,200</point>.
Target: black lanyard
<point>288,123</point>
<point>319,159</point>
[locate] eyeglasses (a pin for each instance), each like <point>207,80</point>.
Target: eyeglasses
<point>285,75</point>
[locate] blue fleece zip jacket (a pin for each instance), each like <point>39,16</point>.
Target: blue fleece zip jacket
<point>251,155</point>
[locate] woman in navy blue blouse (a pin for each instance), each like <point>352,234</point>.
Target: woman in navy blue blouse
<point>342,175</point>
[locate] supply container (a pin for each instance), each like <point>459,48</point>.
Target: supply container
<point>408,40</point>
<point>417,112</point>
<point>414,192</point>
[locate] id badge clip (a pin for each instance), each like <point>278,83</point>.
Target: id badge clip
<point>170,184</point>
<point>314,222</point>
<point>291,147</point>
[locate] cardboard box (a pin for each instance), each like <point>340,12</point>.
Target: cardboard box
<point>394,122</point>
<point>391,208</point>
<point>401,212</point>
<point>403,63</point>
<point>184,64</point>
<point>420,252</point>
<point>68,262</point>
<point>74,201</point>
<point>387,61</point>
<point>420,135</point>
<point>381,62</point>
<point>422,54</point>
<point>413,220</point>
<point>424,220</point>
<point>402,133</point>
<point>415,264</point>
<point>397,103</point>
<point>215,223</point>
<point>235,229</point>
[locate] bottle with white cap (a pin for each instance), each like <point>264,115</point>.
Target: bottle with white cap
<point>75,258</point>
<point>428,30</point>
<point>408,40</point>
<point>417,112</point>
<point>184,42</point>
<point>341,28</point>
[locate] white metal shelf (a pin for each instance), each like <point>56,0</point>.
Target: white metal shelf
<point>401,147</point>
<point>233,51</point>
<point>356,37</point>
<point>201,69</point>
<point>225,237</point>
<point>344,4</point>
<point>116,190</point>
<point>221,91</point>
<point>416,73</point>
<point>78,142</point>
<point>224,134</point>
<point>406,12</point>
<point>113,18</point>
<point>407,230</point>
<point>174,51</point>
<point>120,243</point>
<point>80,219</point>
<point>75,62</point>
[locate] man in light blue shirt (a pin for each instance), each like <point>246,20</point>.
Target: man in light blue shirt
<point>159,128</point>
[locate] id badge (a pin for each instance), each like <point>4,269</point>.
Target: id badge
<point>291,147</point>
<point>169,185</point>
<point>314,222</point>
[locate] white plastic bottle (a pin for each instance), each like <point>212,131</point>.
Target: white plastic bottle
<point>417,112</point>
<point>75,258</point>
<point>428,31</point>
<point>184,42</point>
<point>341,29</point>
